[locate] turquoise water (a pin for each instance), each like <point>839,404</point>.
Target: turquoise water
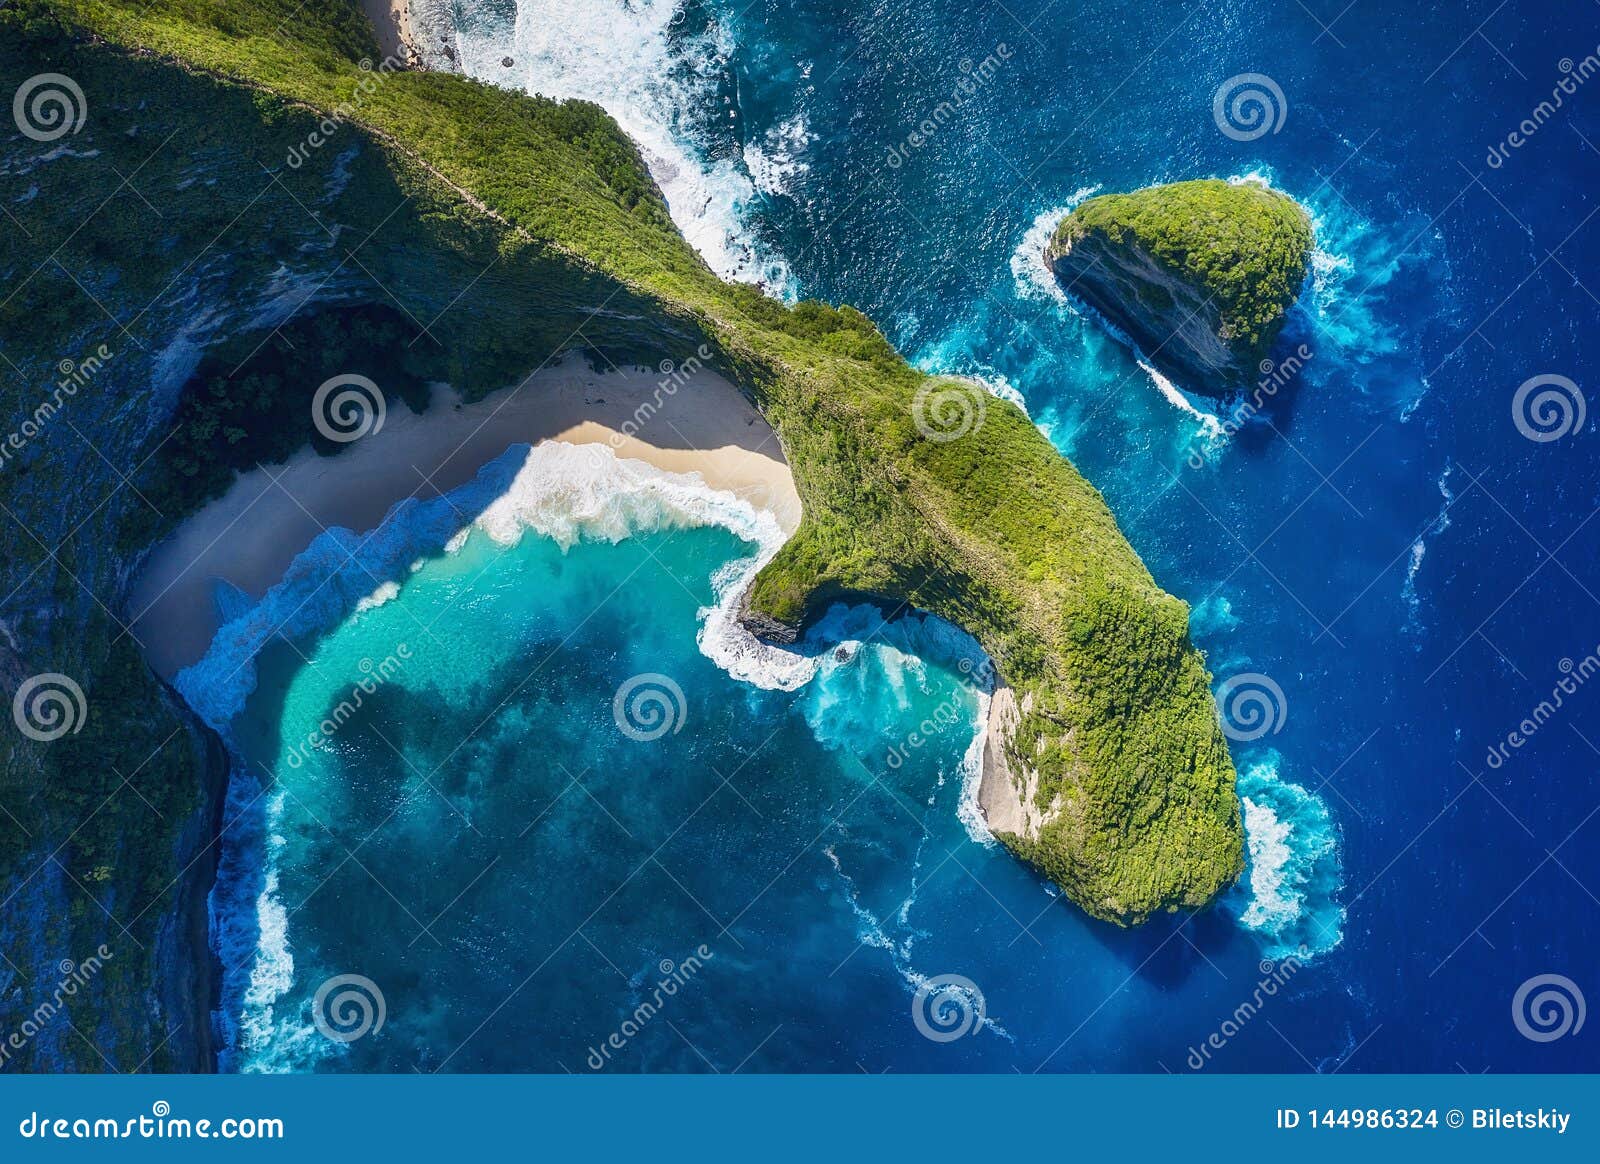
<point>530,778</point>
<point>489,838</point>
<point>1381,542</point>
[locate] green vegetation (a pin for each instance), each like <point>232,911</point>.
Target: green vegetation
<point>502,230</point>
<point>1247,246</point>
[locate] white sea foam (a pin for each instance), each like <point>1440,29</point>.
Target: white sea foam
<point>1035,280</point>
<point>562,491</point>
<point>1290,893</point>
<point>1210,425</point>
<point>969,811</point>
<point>667,82</point>
<point>388,592</point>
<point>1419,550</point>
<point>777,159</point>
<point>873,932</point>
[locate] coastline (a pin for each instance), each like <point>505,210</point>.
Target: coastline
<point>695,423</point>
<point>391,26</point>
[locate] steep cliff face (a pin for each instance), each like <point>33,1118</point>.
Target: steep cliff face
<point>1199,275</point>
<point>191,222</point>
<point>115,296</point>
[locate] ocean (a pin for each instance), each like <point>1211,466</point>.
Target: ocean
<point>742,862</point>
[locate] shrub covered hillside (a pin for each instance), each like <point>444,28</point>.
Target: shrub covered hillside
<point>1200,273</point>
<point>917,491</point>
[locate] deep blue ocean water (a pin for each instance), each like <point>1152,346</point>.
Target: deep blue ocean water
<point>1382,541</point>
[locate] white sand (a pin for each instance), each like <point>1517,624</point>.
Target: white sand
<point>391,25</point>
<point>250,535</point>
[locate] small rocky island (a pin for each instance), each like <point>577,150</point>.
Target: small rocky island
<point>1199,275</point>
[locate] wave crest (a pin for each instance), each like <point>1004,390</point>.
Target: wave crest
<point>1289,895</point>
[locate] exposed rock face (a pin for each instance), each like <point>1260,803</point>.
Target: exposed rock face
<point>1198,275</point>
<point>765,627</point>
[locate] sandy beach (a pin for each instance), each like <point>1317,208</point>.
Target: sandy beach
<point>250,535</point>
<point>391,24</point>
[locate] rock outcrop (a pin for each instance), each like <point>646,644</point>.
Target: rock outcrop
<point>1198,275</point>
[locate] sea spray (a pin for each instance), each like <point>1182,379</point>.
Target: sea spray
<point>1035,280</point>
<point>561,491</point>
<point>667,78</point>
<point>1289,893</point>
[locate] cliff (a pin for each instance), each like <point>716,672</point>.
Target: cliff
<point>1198,274</point>
<point>314,213</point>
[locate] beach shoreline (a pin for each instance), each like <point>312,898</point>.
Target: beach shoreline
<point>391,26</point>
<point>689,422</point>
